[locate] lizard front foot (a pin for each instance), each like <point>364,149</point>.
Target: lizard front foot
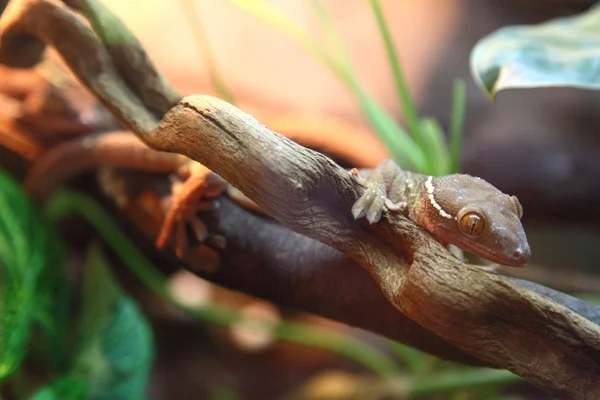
<point>373,201</point>
<point>195,194</point>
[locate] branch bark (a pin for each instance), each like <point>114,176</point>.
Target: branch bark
<point>541,336</point>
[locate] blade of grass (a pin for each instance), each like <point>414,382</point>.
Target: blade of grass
<point>435,146</point>
<point>333,36</point>
<point>401,146</point>
<point>413,358</point>
<point>65,203</point>
<point>266,12</point>
<point>376,113</point>
<point>591,297</point>
<point>460,395</point>
<point>410,111</point>
<point>199,35</point>
<point>457,124</point>
<point>470,378</point>
<point>333,42</point>
<point>224,393</point>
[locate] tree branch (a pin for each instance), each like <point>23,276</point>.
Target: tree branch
<point>480,313</point>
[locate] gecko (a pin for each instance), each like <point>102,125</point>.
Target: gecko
<point>457,209</point>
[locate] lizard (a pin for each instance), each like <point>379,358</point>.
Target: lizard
<point>457,209</point>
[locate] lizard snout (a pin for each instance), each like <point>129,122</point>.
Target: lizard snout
<point>521,254</point>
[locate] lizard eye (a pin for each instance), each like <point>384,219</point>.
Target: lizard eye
<point>472,223</point>
<point>517,205</point>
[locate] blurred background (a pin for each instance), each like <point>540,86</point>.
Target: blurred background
<point>541,145</point>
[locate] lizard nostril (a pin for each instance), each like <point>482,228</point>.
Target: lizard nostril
<point>521,254</point>
<point>517,254</point>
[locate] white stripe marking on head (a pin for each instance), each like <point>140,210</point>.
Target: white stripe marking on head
<point>430,189</point>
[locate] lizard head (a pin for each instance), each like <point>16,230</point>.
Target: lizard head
<point>475,216</point>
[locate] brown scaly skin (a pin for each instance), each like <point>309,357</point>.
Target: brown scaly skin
<point>463,210</point>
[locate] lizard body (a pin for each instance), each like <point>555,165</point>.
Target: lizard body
<point>460,209</point>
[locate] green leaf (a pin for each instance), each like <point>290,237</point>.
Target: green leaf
<point>29,252</point>
<point>69,388</point>
<point>561,52</point>
<point>116,350</point>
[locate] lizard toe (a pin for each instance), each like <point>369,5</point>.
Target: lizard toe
<point>370,204</point>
